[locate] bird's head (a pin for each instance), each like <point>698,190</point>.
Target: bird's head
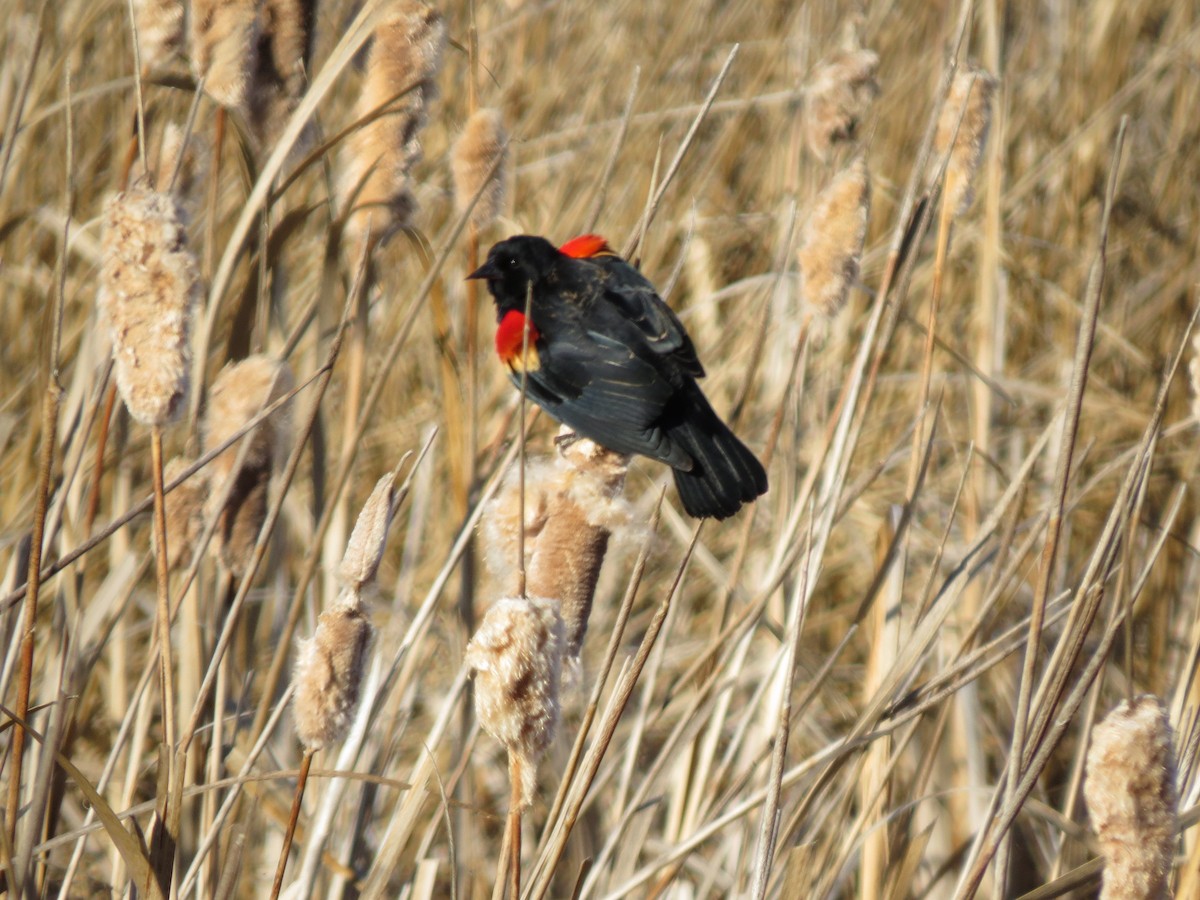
<point>515,264</point>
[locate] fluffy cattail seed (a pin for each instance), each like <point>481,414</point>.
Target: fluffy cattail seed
<point>223,38</point>
<point>962,131</point>
<point>516,656</point>
<point>831,243</point>
<point>149,287</point>
<point>402,67</point>
<point>581,514</point>
<point>280,74</point>
<point>329,672</point>
<point>159,30</point>
<point>365,547</point>
<point>240,391</point>
<point>184,511</point>
<point>1130,793</point>
<point>482,142</point>
<point>837,96</point>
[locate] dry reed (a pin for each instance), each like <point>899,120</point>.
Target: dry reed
<point>149,288</point>
<point>223,46</point>
<point>160,31</point>
<point>329,672</point>
<point>1130,792</point>
<point>481,143</point>
<point>239,392</point>
<point>831,243</point>
<point>837,96</point>
<point>516,657</point>
<point>962,132</point>
<point>402,69</point>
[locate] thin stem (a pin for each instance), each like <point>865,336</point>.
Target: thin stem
<point>521,442</point>
<point>297,799</point>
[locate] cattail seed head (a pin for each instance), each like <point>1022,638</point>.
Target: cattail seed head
<point>962,131</point>
<point>365,547</point>
<point>481,144</point>
<point>240,391</point>
<point>582,512</point>
<point>837,96</point>
<point>1130,794</point>
<point>184,509</point>
<point>223,38</point>
<point>149,288</point>
<point>402,68</point>
<point>831,243</point>
<point>516,656</point>
<point>159,29</point>
<point>282,58</point>
<point>329,672</point>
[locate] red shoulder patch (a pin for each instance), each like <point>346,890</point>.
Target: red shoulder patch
<point>510,336</point>
<point>586,246</point>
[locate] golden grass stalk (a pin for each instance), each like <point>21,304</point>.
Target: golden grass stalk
<point>837,96</point>
<point>1194,374</point>
<point>962,132</point>
<point>149,287</point>
<point>516,657</point>
<point>237,395</point>
<point>402,68</point>
<point>831,243</point>
<point>159,29</point>
<point>223,44</point>
<point>482,142</point>
<point>1130,794</point>
<point>281,64</point>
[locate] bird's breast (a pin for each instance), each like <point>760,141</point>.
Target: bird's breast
<point>510,338</point>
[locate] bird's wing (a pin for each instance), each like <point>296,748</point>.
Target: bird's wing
<point>604,389</point>
<point>637,302</point>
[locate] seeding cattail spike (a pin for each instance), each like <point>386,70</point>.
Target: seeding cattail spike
<point>837,96</point>
<point>402,68</point>
<point>1130,793</point>
<point>160,30</point>
<point>365,547</point>
<point>583,510</point>
<point>516,656</point>
<point>482,142</point>
<point>282,59</point>
<point>329,672</point>
<point>149,288</point>
<point>965,120</point>
<point>831,243</point>
<point>184,511</point>
<point>238,394</point>
<point>223,39</point>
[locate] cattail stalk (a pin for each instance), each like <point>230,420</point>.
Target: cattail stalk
<point>223,44</point>
<point>329,671</point>
<point>516,656</point>
<point>402,68</point>
<point>149,289</point>
<point>1130,794</point>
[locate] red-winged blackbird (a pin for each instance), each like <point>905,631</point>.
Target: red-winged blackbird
<point>609,359</point>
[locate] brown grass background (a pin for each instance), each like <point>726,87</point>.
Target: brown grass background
<point>677,804</point>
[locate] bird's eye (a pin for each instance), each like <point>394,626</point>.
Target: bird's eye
<point>510,263</point>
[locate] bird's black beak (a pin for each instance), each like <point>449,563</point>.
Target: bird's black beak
<point>489,271</point>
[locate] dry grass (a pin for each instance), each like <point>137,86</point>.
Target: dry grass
<point>848,655</point>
